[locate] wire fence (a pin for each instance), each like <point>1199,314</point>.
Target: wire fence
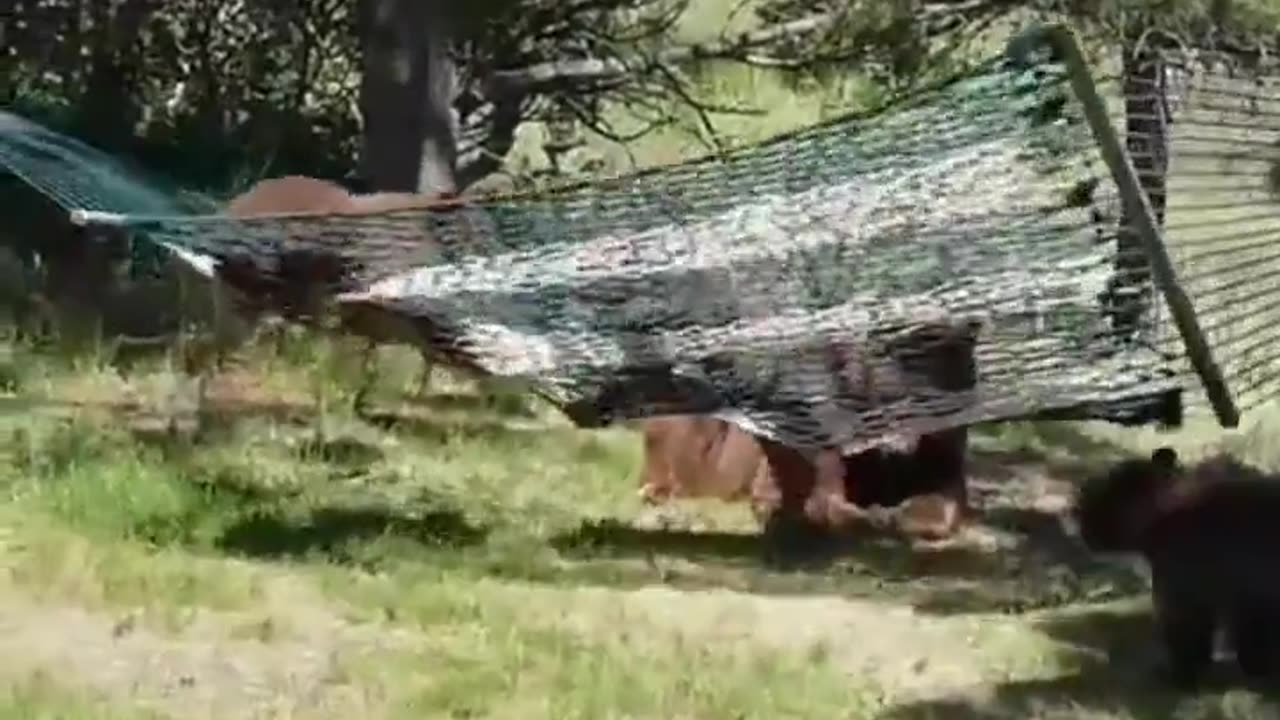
<point>1203,129</point>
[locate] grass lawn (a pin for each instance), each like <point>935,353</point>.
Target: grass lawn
<point>279,557</point>
<point>448,558</point>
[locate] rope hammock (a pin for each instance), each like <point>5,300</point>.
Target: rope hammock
<point>951,258</point>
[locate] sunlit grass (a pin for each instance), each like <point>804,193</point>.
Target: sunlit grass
<point>472,559</point>
<point>39,696</point>
<point>493,545</point>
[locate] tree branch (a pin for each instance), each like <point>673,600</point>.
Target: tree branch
<point>502,118</point>
<point>546,76</point>
<point>937,18</point>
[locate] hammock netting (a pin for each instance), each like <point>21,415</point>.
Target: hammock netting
<point>952,258</point>
<point>77,176</point>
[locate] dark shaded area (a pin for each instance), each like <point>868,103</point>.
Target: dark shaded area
<point>440,430</point>
<point>285,282</point>
<point>237,511</point>
<point>1059,569</point>
<point>948,579</point>
<point>515,406</point>
<point>1208,532</point>
<point>342,451</point>
<point>1120,671</point>
<point>66,286</point>
<point>1048,568</point>
<point>1121,634</point>
<point>875,553</point>
<point>233,510</point>
<point>610,537</point>
<point>219,419</point>
<point>1040,564</point>
<point>885,477</point>
<point>223,494</point>
<point>1043,567</point>
<point>329,531</point>
<point>1164,408</point>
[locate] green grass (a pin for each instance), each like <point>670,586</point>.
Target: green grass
<point>40,697</point>
<point>464,562</point>
<point>451,559</point>
<point>429,531</point>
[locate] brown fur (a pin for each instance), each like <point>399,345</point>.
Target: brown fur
<point>934,516</point>
<point>920,488</point>
<point>693,457</point>
<point>291,194</point>
<point>703,457</point>
<point>300,194</point>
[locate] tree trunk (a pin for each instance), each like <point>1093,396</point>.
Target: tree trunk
<point>406,95</point>
<point>108,104</point>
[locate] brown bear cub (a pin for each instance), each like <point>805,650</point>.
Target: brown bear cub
<point>1210,534</point>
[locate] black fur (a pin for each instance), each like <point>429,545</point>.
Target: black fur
<point>1211,535</point>
<point>888,477</point>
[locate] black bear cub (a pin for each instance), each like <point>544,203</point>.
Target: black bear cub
<point>1211,536</point>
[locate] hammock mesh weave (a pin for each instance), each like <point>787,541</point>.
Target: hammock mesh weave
<point>947,260</point>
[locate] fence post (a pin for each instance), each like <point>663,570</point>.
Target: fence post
<point>1138,208</point>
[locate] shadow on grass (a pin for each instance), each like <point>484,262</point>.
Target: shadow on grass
<point>342,452</point>
<point>181,439</point>
<point>234,510</point>
<point>280,522</point>
<point>440,430</point>
<point>332,531</point>
<point>219,420</point>
<point>1035,560</point>
<point>1098,691</point>
<point>508,405</point>
<point>941,580</point>
<point>1117,672</point>
<point>224,416</point>
<point>593,539</point>
<point>1060,449</point>
<point>1043,565</point>
<point>183,434</point>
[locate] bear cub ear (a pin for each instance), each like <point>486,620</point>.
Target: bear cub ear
<point>1165,459</point>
